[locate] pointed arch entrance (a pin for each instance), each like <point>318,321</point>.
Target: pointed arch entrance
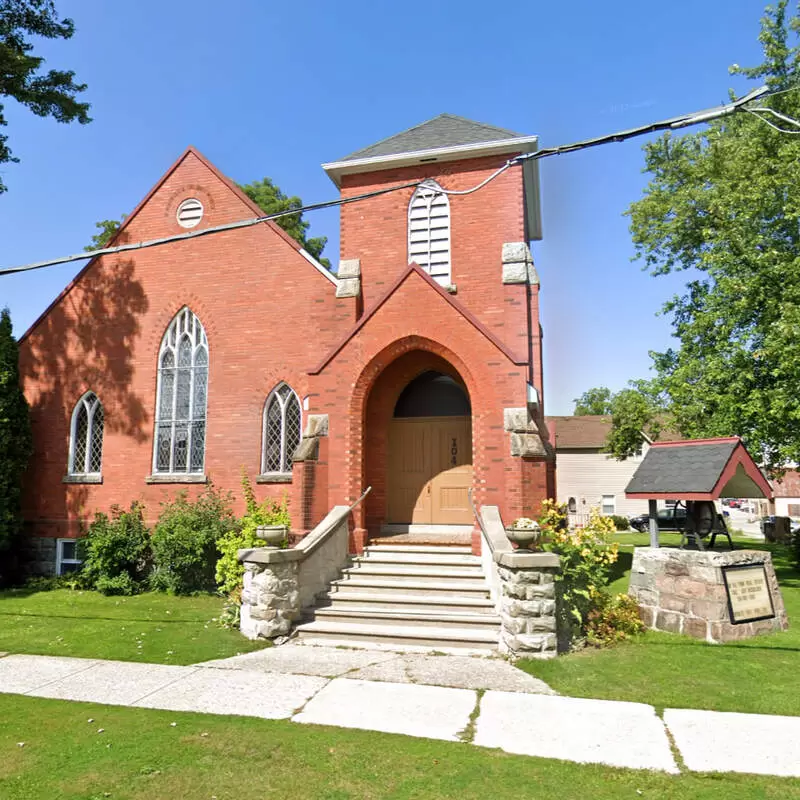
<point>429,458</point>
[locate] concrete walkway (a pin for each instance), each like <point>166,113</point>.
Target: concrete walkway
<point>485,702</point>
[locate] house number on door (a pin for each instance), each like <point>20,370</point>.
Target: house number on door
<point>454,453</point>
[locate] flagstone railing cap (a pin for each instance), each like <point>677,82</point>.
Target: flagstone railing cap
<point>523,560</point>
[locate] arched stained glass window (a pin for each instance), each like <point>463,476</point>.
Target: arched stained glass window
<point>282,430</point>
<point>86,437</point>
<point>180,440</point>
<point>429,231</point>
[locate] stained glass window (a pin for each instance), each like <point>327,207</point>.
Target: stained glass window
<point>86,437</point>
<point>282,429</point>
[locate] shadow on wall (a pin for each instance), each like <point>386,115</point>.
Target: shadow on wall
<point>84,343</point>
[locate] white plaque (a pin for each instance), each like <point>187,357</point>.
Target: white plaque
<point>748,593</point>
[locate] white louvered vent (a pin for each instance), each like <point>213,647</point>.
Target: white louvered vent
<point>429,231</point>
<point>190,212</point>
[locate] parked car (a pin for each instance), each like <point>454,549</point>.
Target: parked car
<point>669,519</point>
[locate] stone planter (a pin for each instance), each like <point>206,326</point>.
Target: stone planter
<point>272,535</point>
<point>527,539</point>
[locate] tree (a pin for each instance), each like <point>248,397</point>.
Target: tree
<point>107,229</point>
<point>51,94</point>
<point>724,204</point>
<point>15,435</point>
<point>271,200</point>
<point>593,401</point>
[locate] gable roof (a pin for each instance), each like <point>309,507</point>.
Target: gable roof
<point>190,150</point>
<point>589,431</point>
<point>446,130</point>
<point>698,469</point>
<point>415,269</point>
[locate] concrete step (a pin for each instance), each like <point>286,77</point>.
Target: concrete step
<point>419,548</point>
<point>432,638</point>
<point>399,616</point>
<point>438,557</point>
<point>368,601</point>
<point>456,587</point>
<point>368,567</point>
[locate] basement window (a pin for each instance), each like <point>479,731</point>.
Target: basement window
<point>67,556</point>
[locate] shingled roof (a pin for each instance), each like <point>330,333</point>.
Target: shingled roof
<point>446,130</point>
<point>700,469</point>
<point>585,432</point>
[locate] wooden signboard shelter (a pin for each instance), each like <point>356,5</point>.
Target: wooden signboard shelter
<point>697,469</point>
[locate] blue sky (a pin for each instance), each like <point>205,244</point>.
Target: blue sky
<point>265,88</point>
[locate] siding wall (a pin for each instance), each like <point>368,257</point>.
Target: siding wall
<point>587,475</point>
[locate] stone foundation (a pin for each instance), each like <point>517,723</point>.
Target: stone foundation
<point>528,604</point>
<point>683,591</point>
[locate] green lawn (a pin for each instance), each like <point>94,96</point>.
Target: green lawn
<point>756,676</point>
<point>151,627</point>
<point>140,755</point>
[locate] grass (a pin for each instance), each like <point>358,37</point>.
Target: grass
<point>758,675</point>
<point>153,627</point>
<point>141,756</point>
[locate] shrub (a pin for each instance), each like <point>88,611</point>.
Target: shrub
<point>621,523</point>
<point>614,618</point>
<point>185,539</point>
<point>587,554</point>
<point>230,572</point>
<point>116,551</point>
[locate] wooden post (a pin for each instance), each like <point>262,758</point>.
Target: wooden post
<point>653,511</point>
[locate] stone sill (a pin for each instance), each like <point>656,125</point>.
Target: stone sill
<point>181,477</point>
<point>518,560</point>
<point>82,479</point>
<point>275,477</point>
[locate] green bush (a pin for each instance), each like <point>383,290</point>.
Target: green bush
<point>185,539</point>
<point>614,618</point>
<point>586,554</point>
<point>621,523</point>
<point>116,551</point>
<point>230,572</point>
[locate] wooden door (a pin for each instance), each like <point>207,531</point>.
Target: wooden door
<point>429,470</point>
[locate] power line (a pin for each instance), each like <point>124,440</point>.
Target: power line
<point>674,123</point>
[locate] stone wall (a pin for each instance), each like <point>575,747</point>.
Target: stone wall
<point>528,604</point>
<point>683,591</point>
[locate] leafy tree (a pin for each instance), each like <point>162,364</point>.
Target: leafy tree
<point>593,401</point>
<point>15,435</point>
<point>633,413</point>
<point>105,231</point>
<point>724,203</point>
<point>271,200</point>
<point>51,94</point>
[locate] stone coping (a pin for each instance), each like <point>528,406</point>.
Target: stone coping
<point>494,530</point>
<point>309,543</point>
<point>523,560</point>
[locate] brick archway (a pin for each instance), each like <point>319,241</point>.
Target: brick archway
<point>372,403</point>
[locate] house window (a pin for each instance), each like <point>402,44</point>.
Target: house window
<point>572,506</point>
<point>86,437</point>
<point>282,430</point>
<point>609,505</point>
<point>67,556</point>
<point>429,231</point>
<point>180,440</point>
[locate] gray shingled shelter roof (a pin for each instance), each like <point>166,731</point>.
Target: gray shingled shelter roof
<point>681,469</point>
<point>446,130</point>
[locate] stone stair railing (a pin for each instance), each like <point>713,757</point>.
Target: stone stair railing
<point>523,585</point>
<point>282,585</point>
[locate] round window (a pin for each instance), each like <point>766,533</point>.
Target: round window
<point>190,212</point>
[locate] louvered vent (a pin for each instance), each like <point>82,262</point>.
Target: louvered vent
<point>190,212</point>
<point>429,231</point>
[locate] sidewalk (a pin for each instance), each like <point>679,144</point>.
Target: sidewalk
<point>485,702</point>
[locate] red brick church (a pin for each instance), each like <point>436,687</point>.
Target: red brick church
<point>415,369</point>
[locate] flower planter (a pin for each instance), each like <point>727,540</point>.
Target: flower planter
<point>272,535</point>
<point>525,538</point>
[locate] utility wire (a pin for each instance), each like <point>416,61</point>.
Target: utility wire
<point>674,123</point>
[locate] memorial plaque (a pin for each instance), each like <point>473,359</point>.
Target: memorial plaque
<point>749,598</point>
